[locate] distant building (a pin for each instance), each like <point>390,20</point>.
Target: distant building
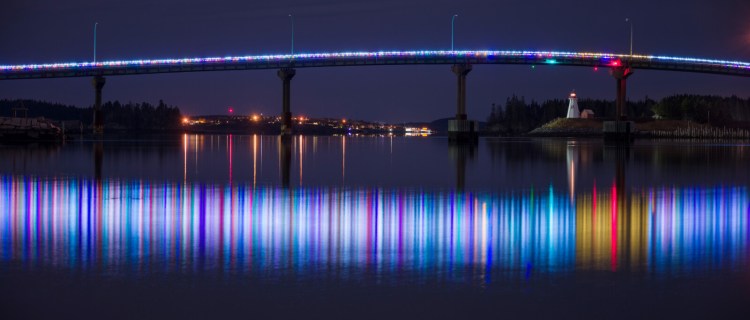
<point>587,114</point>
<point>573,106</point>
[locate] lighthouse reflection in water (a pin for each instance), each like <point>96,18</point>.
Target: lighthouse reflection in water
<point>478,237</point>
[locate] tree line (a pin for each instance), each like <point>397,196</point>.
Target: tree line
<point>714,110</point>
<point>518,116</point>
<point>117,116</point>
<point>142,116</point>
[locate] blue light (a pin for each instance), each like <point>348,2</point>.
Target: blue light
<point>550,57</point>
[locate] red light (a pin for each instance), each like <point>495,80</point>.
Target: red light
<point>596,68</point>
<point>616,63</point>
<point>231,110</point>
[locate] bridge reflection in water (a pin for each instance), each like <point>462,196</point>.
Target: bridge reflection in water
<point>139,226</point>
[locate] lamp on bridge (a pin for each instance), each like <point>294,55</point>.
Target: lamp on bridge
<point>631,34</point>
<point>291,18</point>
<point>453,23</point>
<point>95,24</point>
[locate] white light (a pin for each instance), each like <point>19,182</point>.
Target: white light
<point>532,56</point>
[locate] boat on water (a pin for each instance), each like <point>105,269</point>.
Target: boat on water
<point>28,129</point>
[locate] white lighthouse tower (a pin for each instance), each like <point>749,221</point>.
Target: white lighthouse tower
<point>573,106</point>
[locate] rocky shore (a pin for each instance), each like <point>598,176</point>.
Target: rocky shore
<point>20,129</point>
<point>563,127</point>
<point>675,129</point>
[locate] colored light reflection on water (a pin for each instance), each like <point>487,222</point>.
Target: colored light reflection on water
<point>350,233</point>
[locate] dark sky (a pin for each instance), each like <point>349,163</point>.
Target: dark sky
<point>36,31</point>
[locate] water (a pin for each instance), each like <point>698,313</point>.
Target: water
<point>374,226</point>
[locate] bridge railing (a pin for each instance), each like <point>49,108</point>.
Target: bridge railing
<point>581,59</point>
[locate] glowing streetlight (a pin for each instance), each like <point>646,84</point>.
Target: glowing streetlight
<point>95,24</point>
<point>291,18</point>
<point>453,23</point>
<point>631,34</point>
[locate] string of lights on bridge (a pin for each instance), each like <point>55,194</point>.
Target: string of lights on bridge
<point>542,57</point>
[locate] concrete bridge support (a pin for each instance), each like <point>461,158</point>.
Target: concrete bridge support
<point>286,75</point>
<point>620,129</point>
<point>98,83</point>
<point>621,75</point>
<point>461,129</point>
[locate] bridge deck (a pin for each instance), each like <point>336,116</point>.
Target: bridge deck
<point>338,59</point>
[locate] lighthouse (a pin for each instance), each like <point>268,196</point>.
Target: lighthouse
<point>573,106</point>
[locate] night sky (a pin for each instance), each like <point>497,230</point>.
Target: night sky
<point>37,31</point>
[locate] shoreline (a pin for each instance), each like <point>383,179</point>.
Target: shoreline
<point>651,129</point>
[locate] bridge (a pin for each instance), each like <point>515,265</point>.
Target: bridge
<point>621,66</point>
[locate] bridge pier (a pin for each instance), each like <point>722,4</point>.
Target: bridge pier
<point>461,129</point>
<point>98,83</point>
<point>620,129</point>
<point>286,75</point>
<point>621,75</point>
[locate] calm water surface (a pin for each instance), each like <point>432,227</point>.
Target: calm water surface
<point>203,226</point>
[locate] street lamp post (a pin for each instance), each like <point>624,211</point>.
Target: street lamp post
<point>631,34</point>
<point>95,24</point>
<point>453,23</point>
<point>291,17</point>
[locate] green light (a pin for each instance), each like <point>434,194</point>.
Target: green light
<point>551,61</point>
